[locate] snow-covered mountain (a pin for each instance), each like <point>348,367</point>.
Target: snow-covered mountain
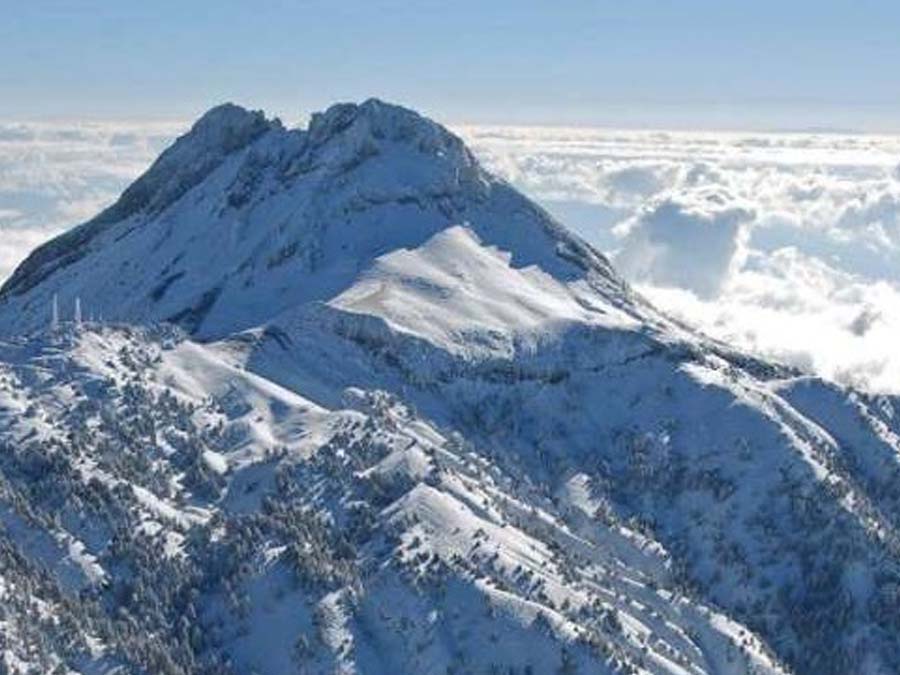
<point>242,219</point>
<point>356,406</point>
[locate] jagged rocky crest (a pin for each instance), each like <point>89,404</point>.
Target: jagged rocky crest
<point>358,406</point>
<point>221,131</point>
<point>259,201</point>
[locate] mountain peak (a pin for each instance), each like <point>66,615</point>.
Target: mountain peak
<point>347,135</point>
<point>382,121</point>
<point>227,127</point>
<point>221,131</point>
<point>241,219</point>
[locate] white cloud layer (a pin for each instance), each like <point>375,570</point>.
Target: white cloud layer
<point>786,244</point>
<point>56,175</point>
<point>691,243</point>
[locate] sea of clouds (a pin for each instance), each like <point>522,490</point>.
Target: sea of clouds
<point>786,244</point>
<point>56,175</point>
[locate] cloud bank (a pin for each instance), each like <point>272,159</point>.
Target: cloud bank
<point>692,244</point>
<point>786,244</point>
<point>56,175</point>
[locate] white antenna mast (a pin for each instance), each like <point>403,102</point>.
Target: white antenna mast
<point>54,317</point>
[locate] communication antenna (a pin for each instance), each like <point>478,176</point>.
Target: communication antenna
<point>54,314</point>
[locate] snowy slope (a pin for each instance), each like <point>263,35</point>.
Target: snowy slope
<point>353,538</point>
<point>219,237</point>
<point>405,422</point>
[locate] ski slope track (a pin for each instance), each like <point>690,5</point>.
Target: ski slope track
<point>343,402</point>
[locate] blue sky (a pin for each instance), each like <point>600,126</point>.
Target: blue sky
<point>694,63</point>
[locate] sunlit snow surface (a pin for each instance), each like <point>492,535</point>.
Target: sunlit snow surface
<point>417,427</point>
<point>784,243</point>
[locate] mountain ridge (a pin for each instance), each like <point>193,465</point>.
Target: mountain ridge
<point>222,130</point>
<point>356,406</point>
<point>261,172</point>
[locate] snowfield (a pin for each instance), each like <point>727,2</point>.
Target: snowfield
<point>355,405</point>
